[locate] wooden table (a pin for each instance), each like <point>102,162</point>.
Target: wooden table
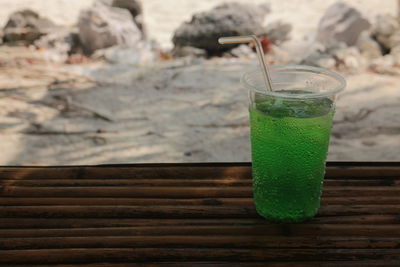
<point>192,215</point>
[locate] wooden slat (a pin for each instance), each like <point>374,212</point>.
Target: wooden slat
<point>197,242</point>
<point>363,172</point>
<point>18,201</point>
<point>126,211</point>
<point>127,182</point>
<point>174,211</point>
<point>387,230</point>
<point>56,223</point>
<point>358,191</point>
<point>96,201</point>
<point>156,172</point>
<point>127,191</point>
<point>386,181</point>
<point>363,200</point>
<point>192,215</point>
<point>392,181</point>
<point>176,171</point>
<point>383,263</point>
<point>179,192</point>
<point>186,264</point>
<point>143,254</point>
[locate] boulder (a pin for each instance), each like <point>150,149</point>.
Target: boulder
<point>278,32</point>
<point>320,59</point>
<point>277,55</point>
<point>394,40</point>
<point>341,23</point>
<point>322,55</point>
<point>337,56</point>
<point>395,53</point>
<point>103,2</point>
<point>385,27</point>
<point>133,6</point>
<point>384,65</point>
<point>102,26</point>
<point>59,44</point>
<point>243,51</point>
<point>188,51</point>
<point>143,53</point>
<point>229,19</point>
<point>349,59</point>
<point>368,47</point>
<point>26,26</point>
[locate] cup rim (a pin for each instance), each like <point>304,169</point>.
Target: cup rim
<point>339,78</point>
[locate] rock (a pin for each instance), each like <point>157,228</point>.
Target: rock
<point>103,2</point>
<point>135,8</point>
<point>101,26</point>
<point>394,40</point>
<point>141,54</point>
<point>398,8</point>
<point>278,55</point>
<point>188,51</point>
<point>26,26</point>
<point>319,59</point>
<point>322,55</point>
<point>349,59</point>
<point>278,32</point>
<point>385,27</point>
<point>384,65</point>
<point>368,47</point>
<point>331,48</point>
<point>339,56</point>
<point>228,19</point>
<point>341,23</point>
<point>395,53</point>
<point>60,44</point>
<point>243,51</point>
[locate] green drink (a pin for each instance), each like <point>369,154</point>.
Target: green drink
<point>288,187</point>
<point>290,131</point>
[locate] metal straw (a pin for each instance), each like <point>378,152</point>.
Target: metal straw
<point>260,53</point>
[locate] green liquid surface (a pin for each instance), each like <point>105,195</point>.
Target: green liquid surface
<point>290,141</point>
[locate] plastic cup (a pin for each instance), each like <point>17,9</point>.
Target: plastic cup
<point>290,129</point>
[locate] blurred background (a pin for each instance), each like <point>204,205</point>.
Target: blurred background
<point>126,81</point>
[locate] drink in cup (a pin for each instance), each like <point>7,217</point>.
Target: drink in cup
<point>291,113</point>
<point>290,128</point>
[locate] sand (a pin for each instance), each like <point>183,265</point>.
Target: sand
<point>175,111</point>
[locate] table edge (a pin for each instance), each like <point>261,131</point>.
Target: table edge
<point>340,164</point>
